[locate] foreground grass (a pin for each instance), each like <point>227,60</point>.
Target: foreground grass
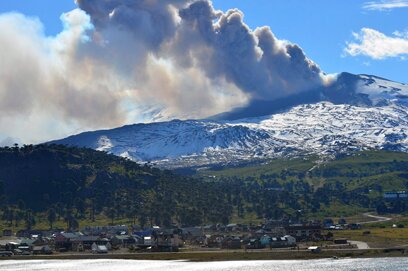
<point>238,255</point>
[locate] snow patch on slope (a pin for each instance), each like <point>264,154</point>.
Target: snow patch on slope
<point>382,91</point>
<point>323,128</point>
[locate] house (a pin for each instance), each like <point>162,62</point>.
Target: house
<point>64,240</point>
<point>165,242</point>
<point>277,231</point>
<point>254,243</point>
<point>39,241</point>
<point>99,230</point>
<point>192,235</point>
<point>214,240</point>
<point>290,240</point>
<point>123,241</point>
<point>192,232</point>
<point>108,246</point>
<point>231,243</point>
<point>168,240</point>
<point>340,241</point>
<point>76,241</point>
<point>396,195</point>
<point>28,244</point>
<point>266,240</point>
<point>24,248</point>
<point>84,242</point>
<point>142,234</point>
<point>94,248</point>
<point>12,245</point>
<point>159,240</point>
<point>304,232</point>
<point>236,227</point>
<point>37,250</point>
<point>279,242</point>
<point>147,242</point>
<point>100,249</point>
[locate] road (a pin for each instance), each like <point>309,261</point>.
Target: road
<point>359,244</point>
<point>376,217</point>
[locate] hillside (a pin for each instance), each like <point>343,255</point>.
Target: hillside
<point>43,175</point>
<point>79,183</point>
<point>379,170</point>
<point>334,187</point>
<point>389,168</point>
<point>46,185</point>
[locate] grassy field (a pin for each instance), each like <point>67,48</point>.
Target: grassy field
<point>269,167</point>
<point>377,237</point>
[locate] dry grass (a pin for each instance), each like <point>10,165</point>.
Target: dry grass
<point>378,237</point>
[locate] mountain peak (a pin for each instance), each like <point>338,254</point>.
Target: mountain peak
<point>355,112</point>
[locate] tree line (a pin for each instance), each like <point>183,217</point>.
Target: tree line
<point>71,184</point>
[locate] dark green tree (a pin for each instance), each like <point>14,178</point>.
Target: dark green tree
<point>51,217</point>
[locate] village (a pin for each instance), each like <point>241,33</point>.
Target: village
<point>271,235</point>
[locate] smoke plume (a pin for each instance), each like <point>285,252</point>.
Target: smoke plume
<point>124,61</point>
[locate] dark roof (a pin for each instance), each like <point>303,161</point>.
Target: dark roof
<point>69,235</point>
<point>83,238</point>
<point>303,227</point>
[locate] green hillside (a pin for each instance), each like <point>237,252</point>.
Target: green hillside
<point>359,170</point>
<point>345,185</point>
<point>75,184</point>
<point>56,186</point>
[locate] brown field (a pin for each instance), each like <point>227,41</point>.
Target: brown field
<point>378,237</point>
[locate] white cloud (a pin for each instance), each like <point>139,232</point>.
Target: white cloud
<point>374,44</point>
<point>403,34</point>
<point>385,5</point>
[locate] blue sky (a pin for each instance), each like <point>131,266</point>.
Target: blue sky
<point>323,27</point>
<point>320,27</point>
<point>56,81</point>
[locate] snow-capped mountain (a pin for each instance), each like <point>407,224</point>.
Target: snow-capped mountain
<point>358,112</point>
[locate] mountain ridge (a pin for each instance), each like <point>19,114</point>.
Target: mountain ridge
<point>358,112</point>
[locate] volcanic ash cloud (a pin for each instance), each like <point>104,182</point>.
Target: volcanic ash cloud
<point>115,59</point>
